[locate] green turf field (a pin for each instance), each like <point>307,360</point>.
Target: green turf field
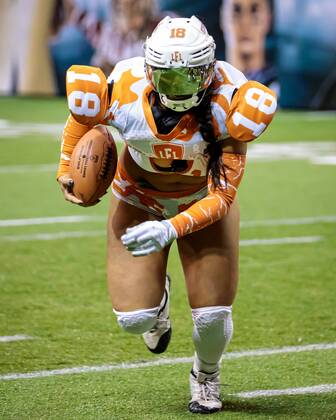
<point>52,282</point>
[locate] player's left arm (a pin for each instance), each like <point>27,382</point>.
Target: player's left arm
<point>219,199</point>
<point>251,110</point>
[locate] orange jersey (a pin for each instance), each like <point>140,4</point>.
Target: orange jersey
<point>240,109</point>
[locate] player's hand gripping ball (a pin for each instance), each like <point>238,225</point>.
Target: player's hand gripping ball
<point>93,164</point>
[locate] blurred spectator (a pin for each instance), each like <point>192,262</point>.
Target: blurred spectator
<point>245,25</point>
<point>68,43</point>
<point>25,66</point>
<point>124,34</point>
<point>306,48</point>
<point>99,8</point>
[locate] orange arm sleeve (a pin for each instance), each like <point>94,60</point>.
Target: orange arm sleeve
<point>87,95</point>
<point>217,202</point>
<point>72,133</point>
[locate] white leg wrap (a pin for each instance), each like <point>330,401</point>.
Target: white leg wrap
<point>213,328</point>
<point>137,322</point>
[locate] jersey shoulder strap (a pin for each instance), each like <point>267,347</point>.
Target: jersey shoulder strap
<point>124,77</point>
<point>226,74</point>
<point>227,80</point>
<point>87,94</point>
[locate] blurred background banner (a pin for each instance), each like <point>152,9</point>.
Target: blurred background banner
<point>306,52</point>
<point>289,45</point>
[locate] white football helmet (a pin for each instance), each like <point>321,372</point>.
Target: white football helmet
<point>180,57</point>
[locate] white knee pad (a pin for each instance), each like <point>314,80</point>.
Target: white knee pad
<point>137,322</point>
<point>213,329</point>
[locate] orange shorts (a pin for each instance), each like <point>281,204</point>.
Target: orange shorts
<point>162,204</point>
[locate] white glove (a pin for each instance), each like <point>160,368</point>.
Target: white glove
<point>148,237</point>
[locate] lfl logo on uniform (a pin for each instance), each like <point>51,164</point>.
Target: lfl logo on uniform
<point>168,151</point>
<point>176,56</point>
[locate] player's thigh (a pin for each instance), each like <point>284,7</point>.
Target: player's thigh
<point>133,282</point>
<point>210,261</point>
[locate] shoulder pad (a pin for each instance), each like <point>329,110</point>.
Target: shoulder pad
<point>252,109</point>
<point>136,64</point>
<point>226,74</point>
<point>124,76</point>
<point>87,94</point>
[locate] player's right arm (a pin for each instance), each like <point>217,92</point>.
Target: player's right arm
<point>87,95</point>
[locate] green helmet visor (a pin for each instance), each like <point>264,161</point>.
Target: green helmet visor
<point>179,81</point>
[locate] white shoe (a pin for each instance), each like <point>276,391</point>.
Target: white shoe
<point>158,338</point>
<point>205,392</point>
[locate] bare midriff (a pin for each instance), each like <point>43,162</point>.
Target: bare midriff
<point>169,181</point>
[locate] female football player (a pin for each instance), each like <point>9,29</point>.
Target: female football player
<point>185,120</point>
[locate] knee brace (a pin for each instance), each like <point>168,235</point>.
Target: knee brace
<point>213,328</point>
<point>137,322</point>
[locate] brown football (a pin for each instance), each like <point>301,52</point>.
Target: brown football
<point>93,164</point>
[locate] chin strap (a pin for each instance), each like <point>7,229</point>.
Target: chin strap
<point>183,104</point>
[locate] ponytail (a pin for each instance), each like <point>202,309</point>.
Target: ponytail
<point>213,151</point>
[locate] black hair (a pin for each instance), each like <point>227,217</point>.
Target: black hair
<point>213,151</point>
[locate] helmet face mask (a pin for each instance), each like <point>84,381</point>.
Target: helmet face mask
<point>179,81</point>
<point>179,58</point>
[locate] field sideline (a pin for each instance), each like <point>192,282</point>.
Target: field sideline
<point>61,352</point>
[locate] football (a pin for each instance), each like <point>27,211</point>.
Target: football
<point>93,164</point>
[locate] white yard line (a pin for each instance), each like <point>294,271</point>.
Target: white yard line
<point>20,129</point>
<point>52,236</point>
<point>280,241</point>
<point>324,160</point>
<point>301,150</point>
<point>24,169</point>
<point>50,220</point>
<point>17,337</point>
<point>281,350</point>
<point>93,233</point>
<point>254,155</point>
<point>287,222</point>
<point>317,389</point>
<point>244,224</point>
<point>318,153</point>
<point>10,128</point>
<point>165,361</point>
